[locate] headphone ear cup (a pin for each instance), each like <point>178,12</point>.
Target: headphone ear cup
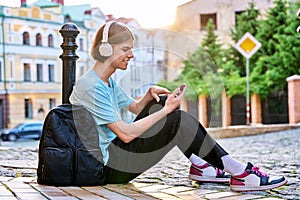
<point>105,49</point>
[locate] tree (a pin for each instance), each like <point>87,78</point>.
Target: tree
<point>234,68</point>
<point>201,71</point>
<point>280,49</point>
<point>289,44</point>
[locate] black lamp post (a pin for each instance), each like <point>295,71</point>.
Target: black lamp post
<point>69,32</point>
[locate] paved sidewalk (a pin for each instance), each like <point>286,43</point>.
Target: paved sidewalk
<point>26,188</point>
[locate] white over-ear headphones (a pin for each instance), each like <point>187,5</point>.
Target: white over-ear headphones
<point>105,49</point>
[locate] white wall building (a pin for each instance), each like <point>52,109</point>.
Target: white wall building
<point>30,68</point>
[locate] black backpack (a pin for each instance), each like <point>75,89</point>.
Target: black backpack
<point>69,152</point>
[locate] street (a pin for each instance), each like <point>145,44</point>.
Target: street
<point>21,143</point>
<point>275,153</point>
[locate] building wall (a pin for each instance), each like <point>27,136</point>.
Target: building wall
<point>14,54</point>
<point>188,15</point>
<point>187,35</point>
<point>143,71</point>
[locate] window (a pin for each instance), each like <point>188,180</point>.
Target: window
<point>27,72</point>
<point>204,20</point>
<point>50,41</point>
<point>67,18</point>
<point>81,70</point>
<point>39,72</point>
<point>38,39</point>
<point>26,40</point>
<point>28,109</point>
<point>81,44</point>
<point>51,72</point>
<point>52,103</point>
<point>32,127</point>
<point>1,78</point>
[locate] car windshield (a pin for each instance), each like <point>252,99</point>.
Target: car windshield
<point>19,125</point>
<point>28,125</point>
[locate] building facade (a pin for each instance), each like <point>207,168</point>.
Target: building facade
<point>30,72</point>
<point>30,68</point>
<point>192,17</point>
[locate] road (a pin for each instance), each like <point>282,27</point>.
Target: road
<point>21,143</point>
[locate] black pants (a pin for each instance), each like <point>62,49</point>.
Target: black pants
<point>179,128</point>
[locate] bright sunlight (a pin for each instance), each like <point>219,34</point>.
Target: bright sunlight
<point>149,14</point>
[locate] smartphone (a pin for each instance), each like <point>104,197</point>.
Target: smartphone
<point>180,89</point>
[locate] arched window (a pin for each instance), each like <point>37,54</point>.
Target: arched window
<point>26,38</point>
<point>50,41</point>
<point>38,39</point>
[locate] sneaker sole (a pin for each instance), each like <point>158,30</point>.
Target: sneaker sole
<point>208,179</point>
<point>238,188</point>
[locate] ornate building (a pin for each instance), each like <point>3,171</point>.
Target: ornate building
<point>30,68</point>
<point>30,72</point>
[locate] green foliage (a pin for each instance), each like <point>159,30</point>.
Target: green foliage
<point>235,84</point>
<point>279,54</point>
<point>250,15</point>
<point>211,67</point>
<point>201,71</point>
<point>274,24</point>
<point>234,69</point>
<point>201,68</point>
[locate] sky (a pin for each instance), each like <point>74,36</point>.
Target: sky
<point>149,13</point>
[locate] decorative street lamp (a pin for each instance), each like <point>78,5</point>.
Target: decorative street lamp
<point>69,32</point>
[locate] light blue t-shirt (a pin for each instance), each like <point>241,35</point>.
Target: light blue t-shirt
<point>103,102</point>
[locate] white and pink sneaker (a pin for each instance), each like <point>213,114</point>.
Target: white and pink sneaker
<point>208,173</point>
<point>253,180</point>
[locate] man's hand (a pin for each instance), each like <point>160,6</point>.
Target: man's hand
<point>174,100</point>
<point>155,91</point>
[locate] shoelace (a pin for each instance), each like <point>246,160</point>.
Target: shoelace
<point>219,171</point>
<point>259,173</point>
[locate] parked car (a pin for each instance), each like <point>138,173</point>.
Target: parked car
<point>30,130</point>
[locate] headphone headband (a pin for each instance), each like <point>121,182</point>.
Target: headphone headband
<point>105,49</point>
<point>106,31</point>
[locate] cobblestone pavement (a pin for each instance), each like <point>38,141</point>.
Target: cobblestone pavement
<point>276,153</point>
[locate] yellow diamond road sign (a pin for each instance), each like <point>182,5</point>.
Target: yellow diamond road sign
<point>247,45</point>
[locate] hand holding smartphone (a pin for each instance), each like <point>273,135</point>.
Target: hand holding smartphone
<point>180,90</point>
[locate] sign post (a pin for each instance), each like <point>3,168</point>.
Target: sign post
<point>247,46</point>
